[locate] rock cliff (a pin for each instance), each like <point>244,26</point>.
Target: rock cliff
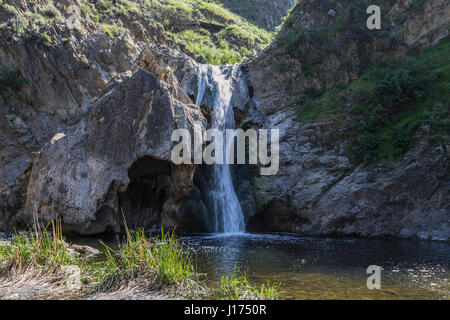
<point>320,189</point>
<point>81,135</point>
<point>121,152</point>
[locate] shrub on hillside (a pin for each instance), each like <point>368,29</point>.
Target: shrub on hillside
<point>399,89</point>
<point>12,79</point>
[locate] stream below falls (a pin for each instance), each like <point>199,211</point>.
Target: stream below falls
<point>321,268</point>
<point>328,268</point>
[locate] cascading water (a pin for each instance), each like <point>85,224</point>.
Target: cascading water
<point>228,216</point>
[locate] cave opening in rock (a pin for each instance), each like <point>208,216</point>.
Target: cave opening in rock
<point>149,188</point>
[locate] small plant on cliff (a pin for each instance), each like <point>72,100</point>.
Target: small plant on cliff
<point>51,12</point>
<point>400,88</point>
<point>111,30</point>
<point>12,79</point>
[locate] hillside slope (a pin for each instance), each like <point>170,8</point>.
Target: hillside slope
<point>204,29</point>
<point>363,118</point>
<point>267,14</point>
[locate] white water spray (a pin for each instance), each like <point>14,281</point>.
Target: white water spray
<point>228,216</point>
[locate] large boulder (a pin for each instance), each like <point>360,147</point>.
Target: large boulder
<point>117,163</point>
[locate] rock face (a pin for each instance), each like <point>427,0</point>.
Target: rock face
<point>315,49</point>
<point>265,13</point>
<point>92,176</point>
<point>110,160</point>
<point>317,191</point>
<point>61,84</point>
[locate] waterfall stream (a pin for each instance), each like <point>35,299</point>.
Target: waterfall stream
<point>228,216</point>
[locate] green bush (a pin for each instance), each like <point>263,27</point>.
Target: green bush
<point>12,79</point>
<point>51,12</point>
<point>400,88</point>
<point>366,149</point>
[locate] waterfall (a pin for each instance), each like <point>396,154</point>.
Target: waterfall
<point>228,216</point>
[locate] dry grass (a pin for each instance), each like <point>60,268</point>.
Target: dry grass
<point>39,265</point>
<point>35,283</point>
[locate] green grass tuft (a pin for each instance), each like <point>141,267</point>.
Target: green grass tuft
<point>235,286</point>
<point>140,255</point>
<point>149,263</point>
<point>40,249</point>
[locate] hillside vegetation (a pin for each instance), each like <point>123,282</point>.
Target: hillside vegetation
<point>263,13</point>
<point>377,86</point>
<point>205,29</point>
<point>382,110</point>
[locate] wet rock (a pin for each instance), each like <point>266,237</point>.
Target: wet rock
<point>85,250</point>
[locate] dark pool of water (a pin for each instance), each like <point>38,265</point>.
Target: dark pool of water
<point>328,268</point>
<point>322,268</point>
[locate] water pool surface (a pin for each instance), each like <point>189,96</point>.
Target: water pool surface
<point>327,268</point>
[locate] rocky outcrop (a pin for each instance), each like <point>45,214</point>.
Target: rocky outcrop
<point>89,177</point>
<point>110,160</point>
<point>63,70</point>
<point>61,82</point>
<point>421,23</point>
<point>322,50</point>
<point>265,13</point>
<point>318,190</point>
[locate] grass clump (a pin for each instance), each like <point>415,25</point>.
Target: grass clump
<point>143,256</point>
<point>37,249</point>
<point>51,12</point>
<point>111,30</point>
<point>235,286</point>
<point>140,265</point>
<point>205,50</point>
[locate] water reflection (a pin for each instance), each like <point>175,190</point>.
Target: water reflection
<point>328,268</point>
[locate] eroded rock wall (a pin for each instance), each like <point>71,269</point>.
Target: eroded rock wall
<point>318,191</point>
<point>81,176</point>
